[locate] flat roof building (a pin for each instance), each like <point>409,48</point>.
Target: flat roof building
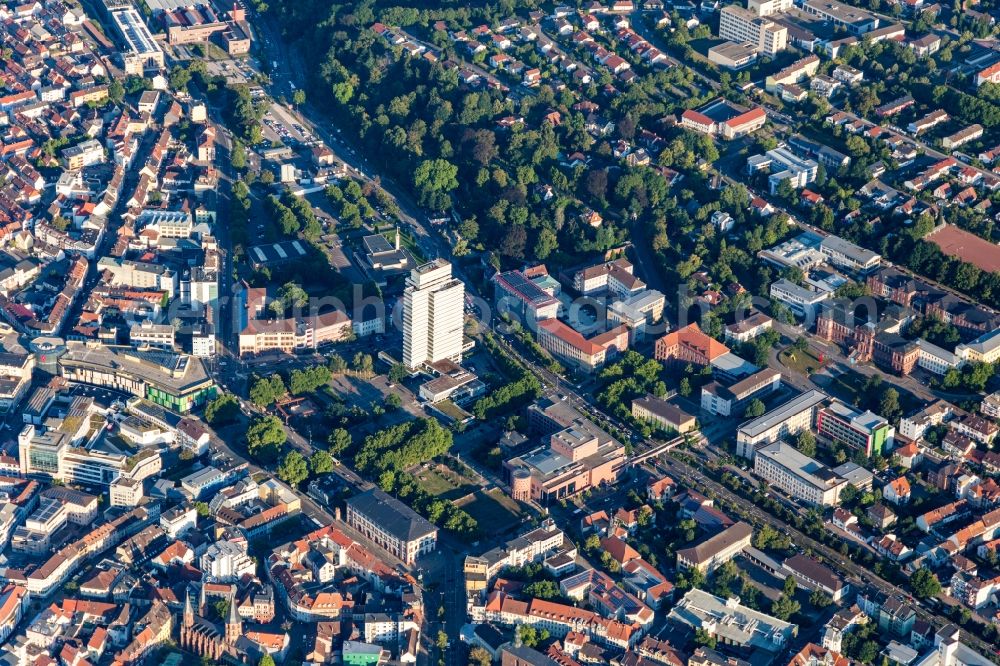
<point>517,294</point>
<point>733,55</point>
<point>846,254</point>
<point>740,25</point>
<point>176,381</point>
<point>276,253</point>
<point>142,51</point>
<point>864,431</point>
<point>433,315</point>
<point>856,21</point>
<point>733,624</point>
<point>802,300</point>
<point>802,477</point>
<point>783,421</point>
<point>637,312</point>
<point>579,455</point>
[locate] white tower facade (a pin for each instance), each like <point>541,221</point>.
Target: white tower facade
<point>433,315</point>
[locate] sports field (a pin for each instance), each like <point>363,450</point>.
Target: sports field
<point>967,246</point>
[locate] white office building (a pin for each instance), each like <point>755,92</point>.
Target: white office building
<point>786,420</point>
<point>433,315</point>
<point>802,300</point>
<point>846,254</point>
<point>784,165</point>
<point>741,26</point>
<point>800,476</point>
<point>227,561</point>
<point>768,7</point>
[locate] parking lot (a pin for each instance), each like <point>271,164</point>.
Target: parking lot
<point>285,127</point>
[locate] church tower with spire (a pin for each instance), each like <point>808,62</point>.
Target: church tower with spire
<point>234,625</point>
<point>188,611</point>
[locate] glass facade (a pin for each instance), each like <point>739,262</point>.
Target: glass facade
<point>44,461</point>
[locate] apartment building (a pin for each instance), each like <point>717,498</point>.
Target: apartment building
<point>740,25</point>
<point>391,524</point>
<point>786,420</point>
<point>15,378</point>
<point>433,315</point>
<point>226,561</point>
<point>34,537</point>
<point>797,72</point>
<point>534,545</point>
<point>83,154</point>
<point>933,118</point>
<point>14,601</point>
<point>769,7</point>
<point>559,620</point>
<point>125,492</point>
<point>990,74</point>
<point>990,405</point>
<point>962,137</point>
<point>864,431</point>
<point>914,426</point>
<point>977,428</point>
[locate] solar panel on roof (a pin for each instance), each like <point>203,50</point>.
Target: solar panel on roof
<point>526,288</point>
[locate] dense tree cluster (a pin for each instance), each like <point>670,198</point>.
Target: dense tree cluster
<point>265,391</point>
<point>402,446</point>
<point>523,388</point>
<point>265,436</point>
<point>223,409</point>
<point>308,379</point>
